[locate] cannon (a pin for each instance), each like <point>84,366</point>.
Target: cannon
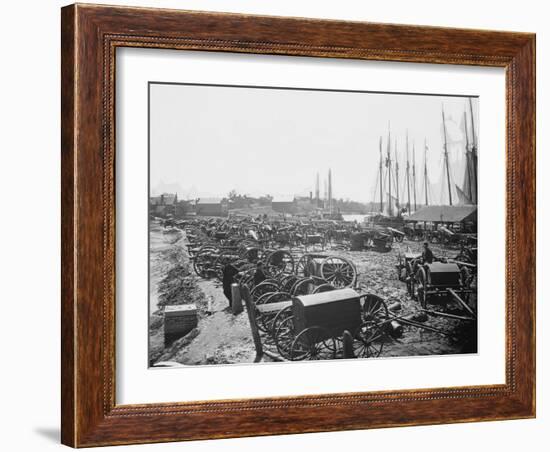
<point>396,234</point>
<point>373,239</point>
<point>334,270</point>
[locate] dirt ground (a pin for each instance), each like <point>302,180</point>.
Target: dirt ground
<point>222,338</point>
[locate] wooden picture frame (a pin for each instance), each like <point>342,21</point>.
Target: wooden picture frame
<point>90,35</point>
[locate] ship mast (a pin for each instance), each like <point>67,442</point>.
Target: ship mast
<point>388,165</point>
<point>381,182</point>
<point>408,175</point>
<point>425,172</point>
<point>474,148</point>
<point>468,159</point>
<point>414,177</point>
<point>396,177</point>
<point>446,154</point>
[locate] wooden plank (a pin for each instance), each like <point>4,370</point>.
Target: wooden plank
<point>462,302</point>
<point>245,292</point>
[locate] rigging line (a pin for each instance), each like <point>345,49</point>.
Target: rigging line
<point>376,185</point>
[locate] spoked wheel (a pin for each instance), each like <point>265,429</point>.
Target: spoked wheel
<point>400,266</point>
<point>368,340</point>
<point>251,253</point>
<point>466,276</point>
<point>374,309</point>
<point>313,343</point>
<point>339,272</point>
<point>324,288</point>
<point>302,286</point>
<point>280,317</point>
<point>204,262</point>
<point>287,282</point>
<point>420,287</point>
<point>262,299</point>
<point>263,288</point>
<point>279,262</point>
<point>265,319</point>
<point>284,335</point>
<point>409,278</point>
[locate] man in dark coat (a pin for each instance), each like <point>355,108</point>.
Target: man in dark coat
<point>228,277</point>
<point>427,255</point>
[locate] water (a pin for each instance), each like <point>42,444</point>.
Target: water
<point>354,217</point>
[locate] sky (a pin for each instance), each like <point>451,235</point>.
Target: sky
<point>208,140</point>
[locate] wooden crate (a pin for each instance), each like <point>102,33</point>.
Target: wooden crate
<point>180,319</point>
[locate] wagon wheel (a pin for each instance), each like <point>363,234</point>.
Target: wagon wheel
<point>279,318</point>
<point>287,282</point>
<point>263,288</point>
<point>466,276</point>
<point>374,309</point>
<point>247,278</point>
<point>409,278</point>
<point>326,287</point>
<point>278,262</point>
<point>251,254</point>
<point>420,287</point>
<point>265,320</point>
<point>261,300</point>
<point>204,262</point>
<point>339,272</point>
<point>222,260</point>
<point>398,238</point>
<point>302,286</point>
<point>368,340</point>
<point>313,343</point>
<point>284,335</point>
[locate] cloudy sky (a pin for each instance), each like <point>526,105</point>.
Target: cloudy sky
<point>208,140</point>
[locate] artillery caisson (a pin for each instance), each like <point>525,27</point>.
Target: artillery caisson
<point>312,326</point>
<point>441,282</point>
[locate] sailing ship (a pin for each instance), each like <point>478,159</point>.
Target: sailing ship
<point>393,208</point>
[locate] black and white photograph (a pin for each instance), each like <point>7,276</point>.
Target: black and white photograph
<point>292,224</point>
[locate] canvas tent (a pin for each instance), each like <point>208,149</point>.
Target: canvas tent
<point>445,214</point>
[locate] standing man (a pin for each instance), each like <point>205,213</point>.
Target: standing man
<point>427,255</point>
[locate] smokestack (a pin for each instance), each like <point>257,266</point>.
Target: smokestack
<point>317,188</point>
<point>330,190</point>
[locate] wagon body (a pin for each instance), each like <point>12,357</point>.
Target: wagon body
<point>443,275</point>
<point>441,282</point>
<point>333,311</point>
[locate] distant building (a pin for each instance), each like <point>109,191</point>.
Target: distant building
<point>169,199</point>
<point>215,207</point>
<point>284,204</point>
<point>183,208</point>
<point>164,204</point>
